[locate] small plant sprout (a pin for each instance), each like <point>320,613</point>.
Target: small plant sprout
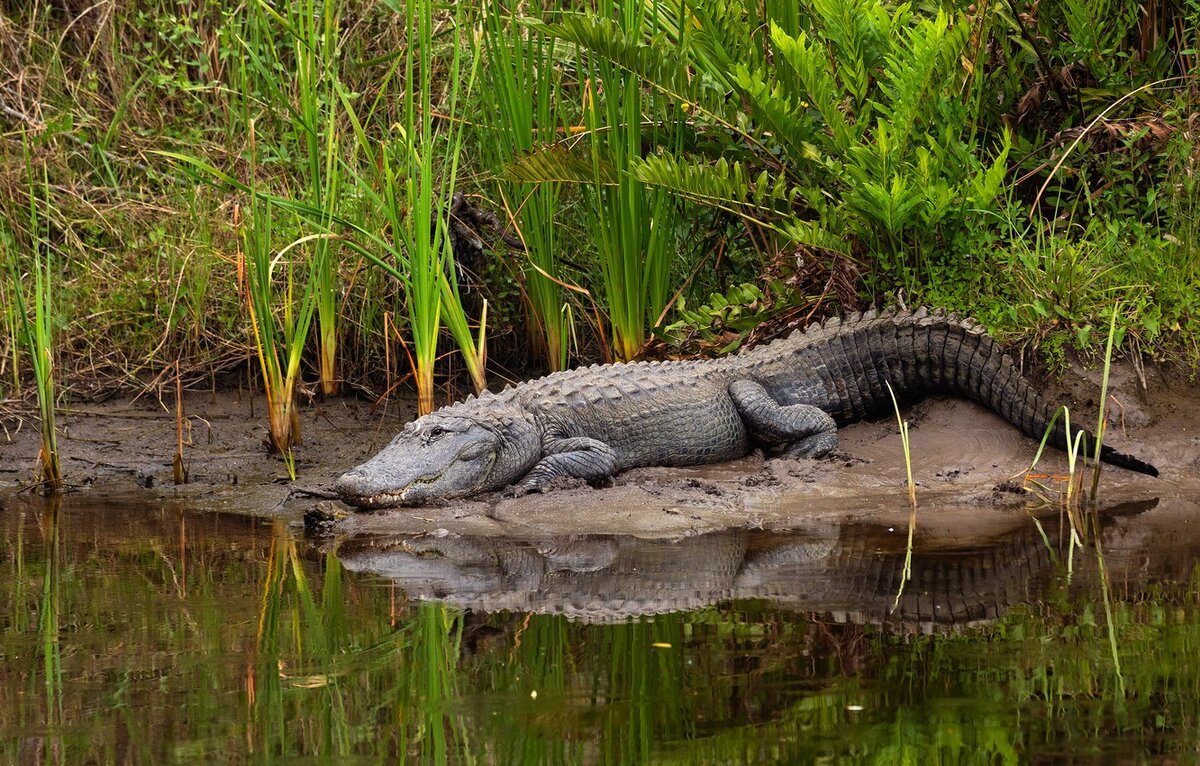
<point>178,468</point>
<point>1102,417</point>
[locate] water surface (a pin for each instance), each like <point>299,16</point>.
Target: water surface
<point>138,633</point>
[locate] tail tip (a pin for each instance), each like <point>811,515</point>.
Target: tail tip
<point>1129,462</point>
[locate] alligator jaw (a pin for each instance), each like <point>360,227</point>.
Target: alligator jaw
<point>348,488</point>
<point>373,502</point>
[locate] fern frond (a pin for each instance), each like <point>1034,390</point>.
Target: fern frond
<point>857,31</point>
<point>893,206</point>
<point>662,65</point>
<point>715,35</point>
<point>815,235</point>
<point>908,73</point>
<point>811,65</point>
<point>781,114</point>
<point>555,163</point>
<point>721,184</point>
<point>986,185</point>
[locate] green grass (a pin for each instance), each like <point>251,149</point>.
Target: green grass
<point>636,225</point>
<point>1081,513</point>
<point>416,171</point>
<point>309,100</point>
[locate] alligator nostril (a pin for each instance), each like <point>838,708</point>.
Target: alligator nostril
<point>347,480</point>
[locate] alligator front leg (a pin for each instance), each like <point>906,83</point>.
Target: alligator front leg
<point>802,429</point>
<point>576,457</point>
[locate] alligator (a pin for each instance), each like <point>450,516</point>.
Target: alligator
<point>788,397</point>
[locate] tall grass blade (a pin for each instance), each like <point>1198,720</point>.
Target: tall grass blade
<point>906,575</point>
<point>418,170</point>
<point>1069,498</point>
<point>1101,418</point>
<point>635,224</point>
<point>310,49</point>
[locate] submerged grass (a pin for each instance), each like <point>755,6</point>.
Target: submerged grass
<point>346,668</point>
<point>1081,513</point>
<point>50,619</point>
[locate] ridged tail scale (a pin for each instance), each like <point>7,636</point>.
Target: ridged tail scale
<point>926,352</point>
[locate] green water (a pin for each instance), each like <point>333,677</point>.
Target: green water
<point>136,634</point>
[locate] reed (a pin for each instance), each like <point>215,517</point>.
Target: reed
<point>1071,498</point>
<point>1102,417</point>
<point>280,316</point>
<point>34,323</point>
<point>12,338</point>
<point>1068,497</point>
<point>634,224</point>
<point>309,103</point>
<point>410,176</point>
<point>523,100</point>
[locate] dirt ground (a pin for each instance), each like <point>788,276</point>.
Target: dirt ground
<point>969,465</point>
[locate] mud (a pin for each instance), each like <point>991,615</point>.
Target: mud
<point>968,463</point>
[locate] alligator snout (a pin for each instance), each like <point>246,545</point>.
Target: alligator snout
<point>352,485</point>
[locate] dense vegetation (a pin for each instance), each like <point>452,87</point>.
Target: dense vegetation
<point>332,186</point>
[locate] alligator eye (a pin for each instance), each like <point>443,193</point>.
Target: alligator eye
<point>436,432</point>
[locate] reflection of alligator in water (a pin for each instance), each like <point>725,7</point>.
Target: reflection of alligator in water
<point>789,395</point>
<point>852,573</point>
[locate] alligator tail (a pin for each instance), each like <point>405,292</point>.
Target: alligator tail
<point>965,360</point>
<point>925,352</point>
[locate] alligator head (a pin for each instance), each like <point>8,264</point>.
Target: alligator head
<point>444,455</point>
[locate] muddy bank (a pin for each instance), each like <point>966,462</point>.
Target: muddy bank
<point>967,461</point>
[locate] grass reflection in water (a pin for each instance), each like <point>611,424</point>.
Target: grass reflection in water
<point>150,635</point>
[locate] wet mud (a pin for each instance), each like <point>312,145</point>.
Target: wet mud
<point>969,465</point>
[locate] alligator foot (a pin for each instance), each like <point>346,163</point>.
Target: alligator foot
<point>575,457</point>
<point>802,429</point>
<point>818,445</point>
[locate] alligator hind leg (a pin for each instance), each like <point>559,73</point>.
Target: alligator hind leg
<point>577,457</point>
<point>802,429</point>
